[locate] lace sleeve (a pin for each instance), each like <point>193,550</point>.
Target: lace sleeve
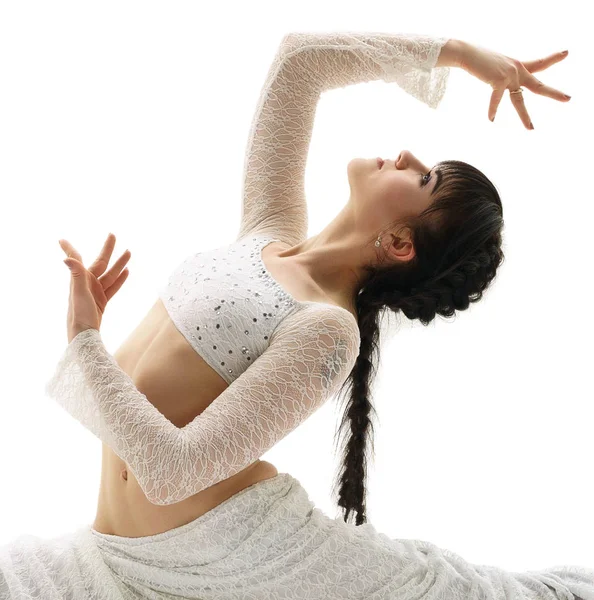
<point>311,353</point>
<point>306,65</point>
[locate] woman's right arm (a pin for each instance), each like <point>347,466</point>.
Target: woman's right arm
<point>305,66</point>
<point>450,55</point>
<point>502,73</point>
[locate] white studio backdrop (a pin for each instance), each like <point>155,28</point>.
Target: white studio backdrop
<point>133,117</point>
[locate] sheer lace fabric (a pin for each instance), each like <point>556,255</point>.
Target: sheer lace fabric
<point>227,305</point>
<point>268,541</point>
<point>306,65</point>
<point>311,352</point>
<point>313,349</point>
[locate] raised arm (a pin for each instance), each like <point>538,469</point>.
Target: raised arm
<point>305,65</point>
<point>311,353</point>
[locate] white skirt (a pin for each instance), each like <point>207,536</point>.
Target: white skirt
<point>266,542</point>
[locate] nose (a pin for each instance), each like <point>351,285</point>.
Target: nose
<point>408,159</point>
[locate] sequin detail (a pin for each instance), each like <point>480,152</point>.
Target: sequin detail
<point>298,358</point>
<point>226,304</point>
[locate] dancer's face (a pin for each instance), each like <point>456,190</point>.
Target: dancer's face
<point>381,196</point>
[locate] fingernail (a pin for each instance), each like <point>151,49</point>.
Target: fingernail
<point>531,126</point>
<point>492,118</point>
<point>565,52</point>
<point>568,97</point>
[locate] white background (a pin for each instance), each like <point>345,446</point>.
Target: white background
<point>132,118</point>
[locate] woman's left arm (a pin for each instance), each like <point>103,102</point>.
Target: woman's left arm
<point>311,353</point>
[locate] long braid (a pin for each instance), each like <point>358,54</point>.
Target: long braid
<point>455,262</point>
<point>358,414</point>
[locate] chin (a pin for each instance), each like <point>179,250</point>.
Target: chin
<point>359,166</point>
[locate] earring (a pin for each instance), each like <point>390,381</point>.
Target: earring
<point>377,242</point>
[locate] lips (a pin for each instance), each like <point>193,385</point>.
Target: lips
<point>380,162</point>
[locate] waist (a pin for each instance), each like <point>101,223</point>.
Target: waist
<point>247,518</point>
<point>180,385</point>
<point>124,510</point>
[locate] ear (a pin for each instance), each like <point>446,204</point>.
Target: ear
<point>401,249</point>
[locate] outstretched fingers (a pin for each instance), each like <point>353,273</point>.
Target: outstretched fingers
<point>535,85</point>
<point>540,64</point>
<point>70,251</point>
<point>112,289</point>
<point>101,262</point>
<point>518,102</point>
<point>538,87</point>
<point>523,76</point>
<point>111,277</point>
<point>495,101</point>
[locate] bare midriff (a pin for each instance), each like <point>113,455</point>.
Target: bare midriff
<point>180,384</point>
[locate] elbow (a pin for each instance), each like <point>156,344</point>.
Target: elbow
<point>156,493</point>
<point>290,43</point>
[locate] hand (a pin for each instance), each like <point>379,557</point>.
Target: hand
<point>90,290</point>
<point>502,72</point>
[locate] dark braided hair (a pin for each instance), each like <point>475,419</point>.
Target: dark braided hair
<point>457,242</point>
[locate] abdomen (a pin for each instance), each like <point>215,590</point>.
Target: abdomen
<point>180,385</point>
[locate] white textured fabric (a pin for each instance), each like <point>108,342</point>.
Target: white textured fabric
<point>306,65</point>
<point>311,351</point>
<point>267,542</point>
<point>227,305</point>
<point>213,287</point>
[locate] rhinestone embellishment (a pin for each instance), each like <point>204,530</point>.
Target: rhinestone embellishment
<point>198,281</point>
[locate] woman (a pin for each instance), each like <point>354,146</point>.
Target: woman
<point>186,507</point>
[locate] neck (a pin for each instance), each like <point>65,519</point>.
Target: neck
<point>332,258</point>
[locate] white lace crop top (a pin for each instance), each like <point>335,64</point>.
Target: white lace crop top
<point>227,305</point>
<point>282,358</point>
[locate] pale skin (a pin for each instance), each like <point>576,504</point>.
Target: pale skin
<point>378,197</point>
<point>333,259</point>
<point>92,288</point>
